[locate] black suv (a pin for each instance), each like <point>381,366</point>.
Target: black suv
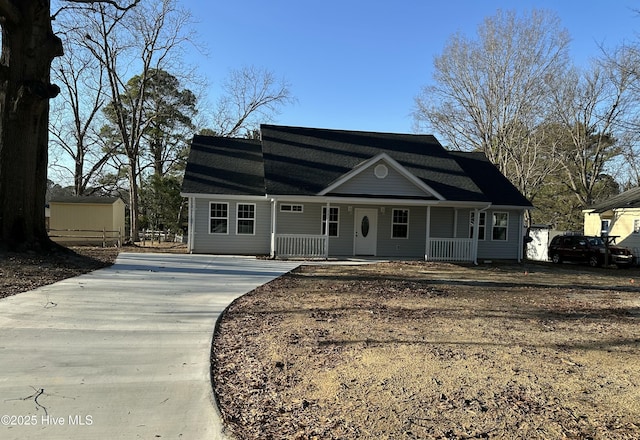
<point>586,249</point>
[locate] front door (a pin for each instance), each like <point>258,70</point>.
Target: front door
<point>366,229</point>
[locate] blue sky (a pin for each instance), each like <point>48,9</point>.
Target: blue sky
<point>355,64</point>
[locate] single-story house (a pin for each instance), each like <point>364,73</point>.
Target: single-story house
<point>618,216</point>
<point>308,192</point>
<point>87,220</point>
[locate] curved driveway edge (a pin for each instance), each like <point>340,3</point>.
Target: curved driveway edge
<point>123,352</point>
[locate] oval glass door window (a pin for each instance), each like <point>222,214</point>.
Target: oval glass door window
<point>364,227</point>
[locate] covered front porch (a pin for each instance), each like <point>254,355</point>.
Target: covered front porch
<point>402,229</point>
<point>317,246</point>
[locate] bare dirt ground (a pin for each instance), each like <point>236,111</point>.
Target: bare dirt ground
<point>20,272</point>
<point>433,351</point>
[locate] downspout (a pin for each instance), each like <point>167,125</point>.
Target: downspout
<point>521,239</point>
<point>191,227</point>
<point>427,246</point>
<point>273,228</point>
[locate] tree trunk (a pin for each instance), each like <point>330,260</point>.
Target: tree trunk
<point>134,207</point>
<point>28,47</point>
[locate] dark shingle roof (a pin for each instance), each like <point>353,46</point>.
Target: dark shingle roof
<point>491,181</point>
<point>627,199</point>
<point>305,161</point>
<point>219,165</point>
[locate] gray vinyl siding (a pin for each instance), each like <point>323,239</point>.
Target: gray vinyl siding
<point>411,247</point>
<point>442,221</point>
<point>232,243</point>
<point>366,183</point>
<point>307,222</point>
<point>498,249</point>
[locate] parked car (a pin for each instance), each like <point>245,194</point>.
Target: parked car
<point>591,250</point>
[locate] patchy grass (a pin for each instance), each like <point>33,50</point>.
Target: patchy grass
<point>433,351</point>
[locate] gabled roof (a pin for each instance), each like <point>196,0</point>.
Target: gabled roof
<point>304,161</point>
<point>220,165</point>
<point>385,159</point>
<point>627,199</point>
<point>301,161</point>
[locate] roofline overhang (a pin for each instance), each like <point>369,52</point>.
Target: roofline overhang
<point>512,207</point>
<point>223,196</point>
<point>376,201</point>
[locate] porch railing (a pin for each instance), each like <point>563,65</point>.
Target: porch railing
<point>295,245</point>
<point>450,249</point>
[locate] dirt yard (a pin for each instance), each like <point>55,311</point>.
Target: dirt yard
<point>433,351</point>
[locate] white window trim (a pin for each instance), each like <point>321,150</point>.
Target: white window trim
<point>238,218</point>
<point>211,218</point>
<point>291,210</point>
<point>337,222</point>
<point>493,226</point>
<point>480,215</point>
<point>393,224</point>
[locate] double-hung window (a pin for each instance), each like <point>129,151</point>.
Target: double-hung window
<point>500,225</point>
<point>482,224</point>
<point>218,218</point>
<point>246,218</point>
<point>334,215</point>
<point>400,223</point>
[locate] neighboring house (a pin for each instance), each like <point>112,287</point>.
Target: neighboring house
<point>618,216</point>
<point>306,192</point>
<point>87,220</point>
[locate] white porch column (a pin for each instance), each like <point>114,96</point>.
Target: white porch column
<point>191,224</point>
<point>521,239</point>
<point>476,232</point>
<point>326,230</point>
<point>427,245</point>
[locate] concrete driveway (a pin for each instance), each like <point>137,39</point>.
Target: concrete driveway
<point>123,352</point>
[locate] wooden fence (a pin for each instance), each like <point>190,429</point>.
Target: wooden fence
<point>103,236</point>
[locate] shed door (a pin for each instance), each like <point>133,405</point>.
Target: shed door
<point>366,231</point>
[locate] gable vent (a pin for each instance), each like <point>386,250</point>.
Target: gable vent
<point>381,171</point>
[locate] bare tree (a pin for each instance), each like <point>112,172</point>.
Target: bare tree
<point>152,35</point>
<point>73,130</point>
<point>589,107</point>
<point>491,93</point>
<point>250,96</point>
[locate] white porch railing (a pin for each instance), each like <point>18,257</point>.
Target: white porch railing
<point>450,249</point>
<point>296,245</point>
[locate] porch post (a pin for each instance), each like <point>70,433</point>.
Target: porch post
<point>427,245</point>
<point>273,227</point>
<point>475,231</point>
<point>521,239</point>
<point>191,224</point>
<point>326,230</point>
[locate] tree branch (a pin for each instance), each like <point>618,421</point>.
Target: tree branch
<point>113,3</point>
